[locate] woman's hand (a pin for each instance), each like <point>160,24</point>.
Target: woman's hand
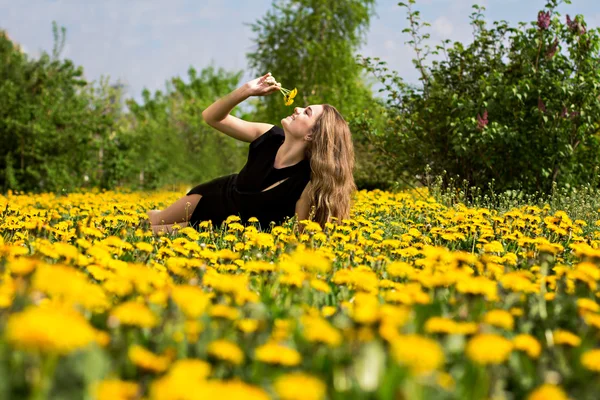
<point>262,86</point>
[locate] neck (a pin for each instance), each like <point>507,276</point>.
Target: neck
<point>291,152</point>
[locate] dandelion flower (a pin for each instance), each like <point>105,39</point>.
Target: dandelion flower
<point>566,337</point>
<point>274,353</point>
<point>49,329</point>
<point>147,360</point>
<point>226,350</point>
<point>488,348</point>
<point>135,314</point>
<point>114,389</point>
<point>528,344</point>
<point>422,355</point>
<point>547,392</point>
<point>299,386</point>
<point>591,360</point>
<point>288,95</point>
<point>500,319</point>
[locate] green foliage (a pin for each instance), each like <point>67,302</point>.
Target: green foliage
<point>311,45</point>
<point>60,132</point>
<point>167,139</point>
<point>52,124</point>
<point>518,107</point>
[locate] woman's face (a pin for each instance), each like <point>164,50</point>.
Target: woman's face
<point>302,121</point>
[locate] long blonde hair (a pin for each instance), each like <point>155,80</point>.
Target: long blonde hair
<point>331,155</point>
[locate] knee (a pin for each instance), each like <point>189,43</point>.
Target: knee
<point>154,217</point>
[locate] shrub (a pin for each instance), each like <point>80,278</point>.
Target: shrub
<point>519,106</point>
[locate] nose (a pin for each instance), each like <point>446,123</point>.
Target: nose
<point>296,110</point>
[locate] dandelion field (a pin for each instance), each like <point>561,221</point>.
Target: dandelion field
<point>408,299</point>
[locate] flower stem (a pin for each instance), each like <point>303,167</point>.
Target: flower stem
<point>43,385</point>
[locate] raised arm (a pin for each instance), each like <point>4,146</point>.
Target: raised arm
<point>217,114</point>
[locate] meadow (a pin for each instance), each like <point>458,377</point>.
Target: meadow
<point>407,299</point>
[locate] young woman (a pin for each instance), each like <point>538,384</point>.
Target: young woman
<point>306,163</point>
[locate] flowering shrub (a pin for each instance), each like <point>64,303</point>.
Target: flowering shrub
<point>517,107</point>
<point>406,299</point>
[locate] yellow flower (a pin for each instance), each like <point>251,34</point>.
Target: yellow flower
<point>191,300</point>
<point>528,344</point>
<point>479,285</point>
<point>448,326</point>
<point>22,265</point>
<point>547,392</point>
<point>70,285</point>
<point>587,305</point>
<point>50,330</point>
<point>500,318</point>
<point>328,311</point>
<point>488,348</point>
<point>288,95</point>
<point>313,261</point>
<point>145,359</point>
<point>226,351</point>
<point>7,291</point>
<point>445,380</point>
<point>317,329</point>
<point>566,337</point>
<point>114,389</point>
<point>493,247</point>
<point>591,360</point>
<point>400,269</point>
<point>247,325</point>
<point>192,329</point>
<point>274,353</point>
<point>420,354</point>
<point>143,246</point>
<point>186,379</point>
<point>135,314</point>
<point>320,285</point>
<point>190,369</point>
<point>299,386</point>
<point>224,311</point>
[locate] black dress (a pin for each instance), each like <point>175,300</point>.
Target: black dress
<point>242,194</point>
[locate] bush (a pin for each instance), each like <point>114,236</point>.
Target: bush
<point>52,123</point>
<point>519,106</point>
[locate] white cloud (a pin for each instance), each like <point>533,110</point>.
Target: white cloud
<point>443,26</point>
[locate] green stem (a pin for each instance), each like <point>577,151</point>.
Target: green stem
<point>43,385</point>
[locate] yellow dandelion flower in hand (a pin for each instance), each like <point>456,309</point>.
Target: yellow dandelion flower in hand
<point>288,95</point>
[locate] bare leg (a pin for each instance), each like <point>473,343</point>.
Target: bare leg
<point>178,212</point>
<point>168,228</point>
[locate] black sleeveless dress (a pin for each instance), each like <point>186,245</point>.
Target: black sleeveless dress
<point>242,194</point>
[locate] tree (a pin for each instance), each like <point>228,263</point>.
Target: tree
<point>311,45</point>
<point>167,138</point>
<point>50,129</point>
<point>516,109</point>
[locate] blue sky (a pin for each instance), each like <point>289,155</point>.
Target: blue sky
<point>143,43</point>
